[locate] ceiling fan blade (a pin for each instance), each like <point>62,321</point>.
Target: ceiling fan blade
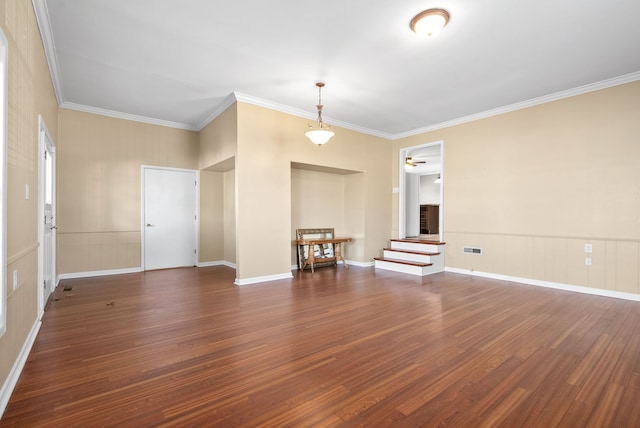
<point>410,162</point>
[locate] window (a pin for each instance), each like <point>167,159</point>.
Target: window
<point>4,92</point>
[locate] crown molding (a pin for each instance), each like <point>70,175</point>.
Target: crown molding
<point>126,116</point>
<point>228,102</point>
<point>620,80</point>
<point>307,115</point>
<point>44,25</point>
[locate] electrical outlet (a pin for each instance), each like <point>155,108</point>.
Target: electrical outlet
<point>588,248</point>
<point>587,261</point>
<point>15,279</point>
<point>27,192</point>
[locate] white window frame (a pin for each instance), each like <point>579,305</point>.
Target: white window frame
<point>4,95</point>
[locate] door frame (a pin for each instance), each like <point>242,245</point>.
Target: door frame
<point>4,108</point>
<point>402,196</point>
<point>46,144</point>
<point>143,168</point>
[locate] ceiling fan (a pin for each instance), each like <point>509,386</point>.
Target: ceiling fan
<point>410,162</point>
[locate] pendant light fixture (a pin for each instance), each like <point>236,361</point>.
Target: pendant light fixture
<point>319,133</point>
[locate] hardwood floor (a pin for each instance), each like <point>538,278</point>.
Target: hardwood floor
<point>339,347</point>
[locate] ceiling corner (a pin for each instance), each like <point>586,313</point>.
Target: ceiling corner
<point>44,25</point>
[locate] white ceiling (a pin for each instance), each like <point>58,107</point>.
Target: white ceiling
<point>181,62</point>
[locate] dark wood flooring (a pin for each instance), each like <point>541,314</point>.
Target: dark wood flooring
<point>339,347</point>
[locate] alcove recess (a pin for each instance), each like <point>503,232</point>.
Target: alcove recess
<point>217,213</point>
<point>323,196</point>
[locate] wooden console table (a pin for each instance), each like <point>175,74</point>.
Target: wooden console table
<point>311,258</point>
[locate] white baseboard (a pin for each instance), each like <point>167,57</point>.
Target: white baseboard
<point>75,275</point>
<point>360,264</point>
<point>18,365</point>
<point>217,263</point>
<point>99,273</point>
<point>349,262</point>
<point>257,279</point>
<point>549,284</point>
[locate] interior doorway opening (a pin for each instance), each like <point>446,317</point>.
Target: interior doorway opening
<point>421,191</point>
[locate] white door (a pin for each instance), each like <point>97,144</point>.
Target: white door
<point>169,218</point>
<point>47,229</point>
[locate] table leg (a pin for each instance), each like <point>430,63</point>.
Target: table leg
<point>339,254</point>
<point>312,258</point>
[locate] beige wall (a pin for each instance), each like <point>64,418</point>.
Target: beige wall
<point>317,201</point>
<point>211,216</point>
<point>229,216</point>
<point>321,199</point>
<point>354,219</point>
<point>531,187</point>
<point>99,186</point>
<point>268,141</point>
<point>217,217</point>
<point>30,94</point>
<point>218,141</point>
<point>217,144</point>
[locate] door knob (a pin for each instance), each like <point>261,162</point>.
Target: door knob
<point>149,225</point>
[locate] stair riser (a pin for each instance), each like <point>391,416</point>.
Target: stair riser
<point>408,269</point>
<point>420,258</point>
<point>414,246</point>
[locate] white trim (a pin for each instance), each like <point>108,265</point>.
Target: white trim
<point>75,275</point>
<point>258,279</point>
<point>620,80</point>
<point>4,113</point>
<point>308,115</point>
<point>237,96</point>
<point>18,365</point>
<point>45,144</point>
<point>126,116</point>
<point>217,263</point>
<point>361,264</point>
<point>349,263</point>
<point>44,25</point>
<point>402,182</point>
<point>228,102</point>
<point>549,284</point>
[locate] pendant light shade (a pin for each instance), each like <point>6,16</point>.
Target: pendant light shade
<point>319,136</point>
<point>319,133</point>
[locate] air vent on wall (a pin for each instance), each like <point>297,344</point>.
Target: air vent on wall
<point>472,250</point>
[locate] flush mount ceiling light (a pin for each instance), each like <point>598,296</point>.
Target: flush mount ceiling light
<point>429,22</point>
<point>319,133</point>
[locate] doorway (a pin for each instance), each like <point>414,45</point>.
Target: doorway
<point>416,164</point>
<point>169,217</point>
<point>47,212</point>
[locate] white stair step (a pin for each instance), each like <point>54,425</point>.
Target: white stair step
<point>411,268</point>
<point>416,245</point>
<point>410,255</point>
